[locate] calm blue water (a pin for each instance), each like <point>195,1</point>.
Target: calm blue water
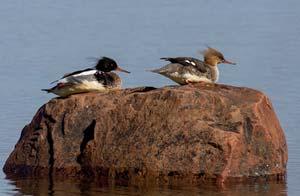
<point>41,40</point>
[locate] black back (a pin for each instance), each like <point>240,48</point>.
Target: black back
<point>73,73</point>
<point>77,72</point>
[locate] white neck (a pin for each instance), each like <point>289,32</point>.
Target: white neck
<point>214,73</point>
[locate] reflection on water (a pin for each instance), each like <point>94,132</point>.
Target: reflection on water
<point>30,186</point>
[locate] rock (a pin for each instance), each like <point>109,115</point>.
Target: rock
<point>190,133</point>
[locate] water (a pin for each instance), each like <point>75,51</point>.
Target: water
<point>41,40</point>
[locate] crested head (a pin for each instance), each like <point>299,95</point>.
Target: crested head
<point>214,57</point>
<point>106,64</point>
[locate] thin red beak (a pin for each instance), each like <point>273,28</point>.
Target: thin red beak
<point>228,62</point>
<point>122,70</point>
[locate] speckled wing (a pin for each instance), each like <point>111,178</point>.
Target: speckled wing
<point>188,61</point>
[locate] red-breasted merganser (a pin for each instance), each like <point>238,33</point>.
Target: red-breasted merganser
<point>184,70</point>
<point>100,78</point>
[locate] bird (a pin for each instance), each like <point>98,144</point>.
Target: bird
<point>105,64</point>
<point>99,79</point>
<point>185,70</point>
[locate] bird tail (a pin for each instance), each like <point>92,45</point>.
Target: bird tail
<point>54,82</point>
<point>47,90</point>
<point>154,70</point>
<point>165,58</point>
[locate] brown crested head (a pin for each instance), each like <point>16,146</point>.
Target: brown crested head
<point>214,57</point>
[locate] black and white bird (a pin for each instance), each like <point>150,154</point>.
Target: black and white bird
<point>100,78</point>
<point>184,70</point>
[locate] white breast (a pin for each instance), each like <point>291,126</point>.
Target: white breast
<point>91,85</point>
<point>176,77</point>
<point>183,78</point>
<point>84,86</point>
<point>195,78</point>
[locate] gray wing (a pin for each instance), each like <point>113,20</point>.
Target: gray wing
<point>180,69</point>
<point>187,62</point>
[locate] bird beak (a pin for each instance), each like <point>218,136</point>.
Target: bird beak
<point>228,62</point>
<point>122,70</point>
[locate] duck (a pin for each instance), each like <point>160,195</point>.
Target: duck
<point>97,79</point>
<point>186,70</point>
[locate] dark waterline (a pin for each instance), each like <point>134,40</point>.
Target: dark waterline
<point>30,186</point>
<point>41,40</point>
